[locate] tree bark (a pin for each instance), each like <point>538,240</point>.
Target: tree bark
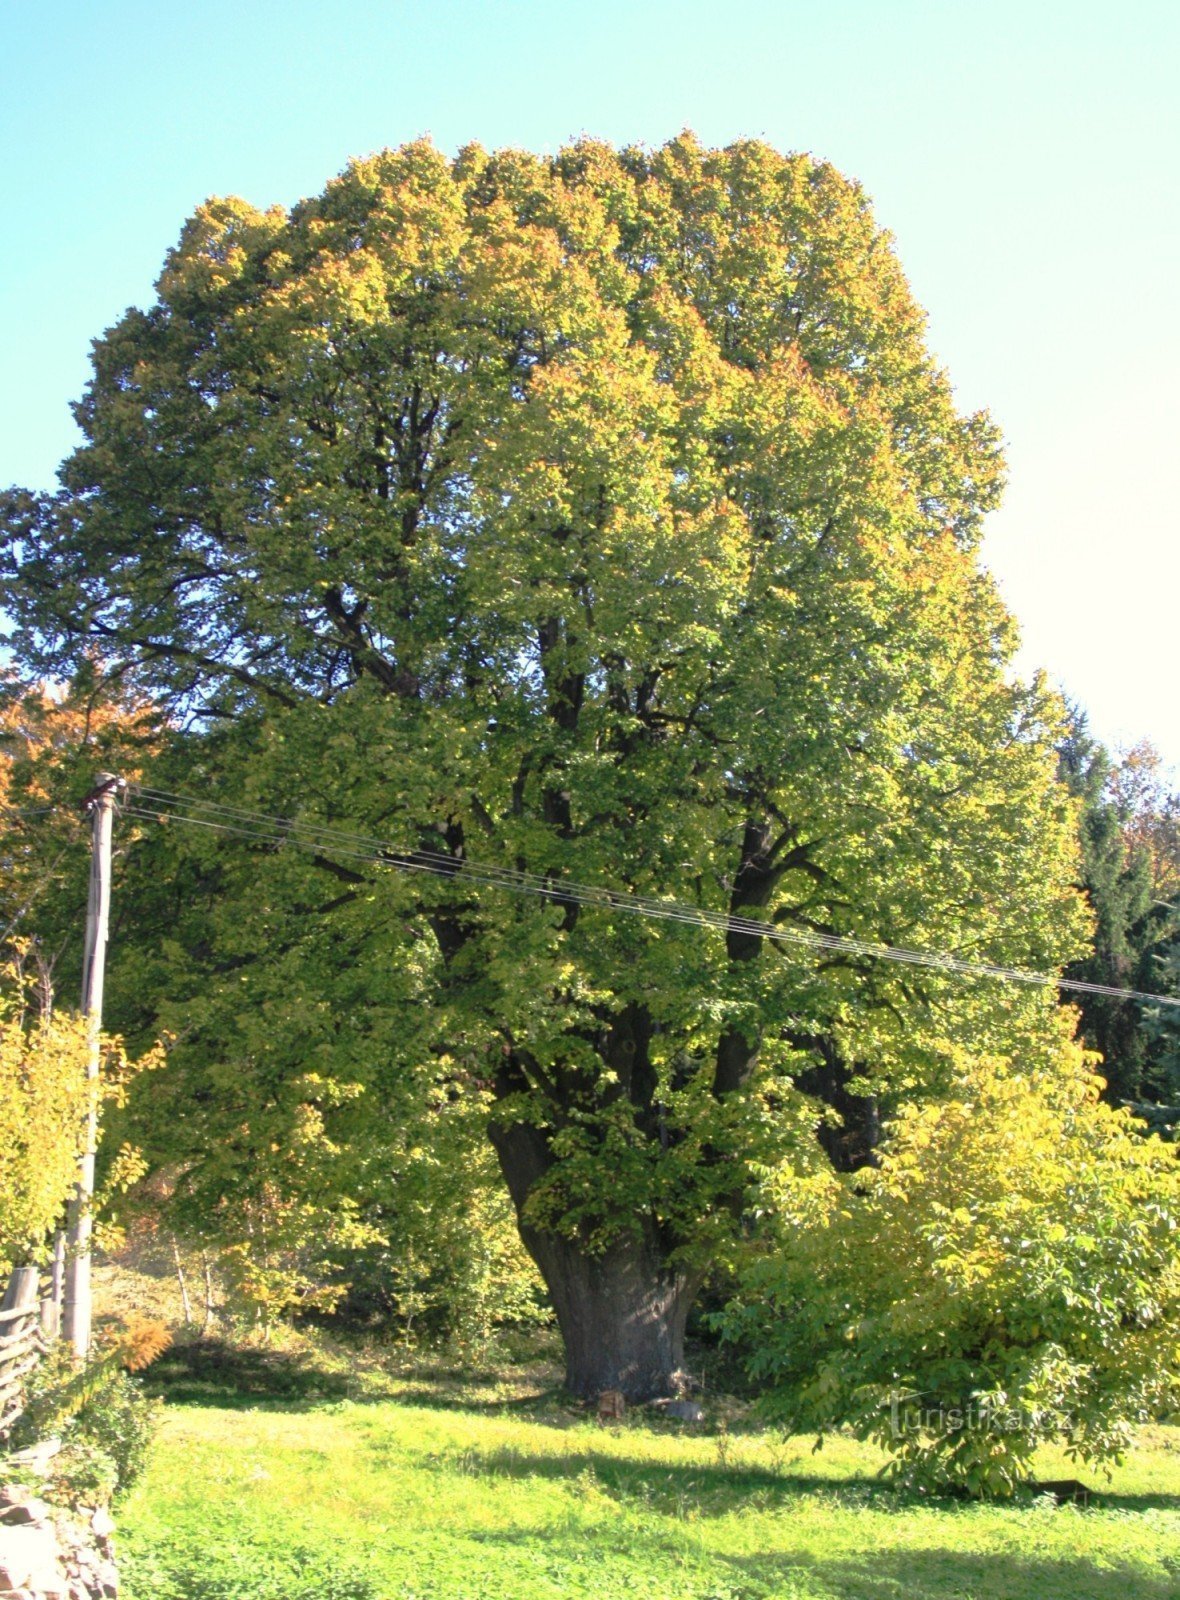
<point>853,1143</point>
<point>185,1303</point>
<point>621,1311</point>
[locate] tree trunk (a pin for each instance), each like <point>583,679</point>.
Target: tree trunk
<point>853,1144</point>
<point>621,1314</point>
<point>621,1311</point>
<point>210,1307</point>
<point>185,1302</point>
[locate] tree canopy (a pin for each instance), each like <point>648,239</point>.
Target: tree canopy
<point>606,517</point>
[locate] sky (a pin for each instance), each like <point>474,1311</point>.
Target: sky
<point>1026,158</point>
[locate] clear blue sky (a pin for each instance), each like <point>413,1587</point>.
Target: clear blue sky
<point>1026,156</point>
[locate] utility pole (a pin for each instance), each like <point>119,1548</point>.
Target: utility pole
<point>77,1301</point>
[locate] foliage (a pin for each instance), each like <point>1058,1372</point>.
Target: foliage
<point>142,1341</point>
<point>290,1136</point>
<point>119,1420</point>
<point>1142,792</point>
<point>84,1474</point>
<point>54,739</point>
<point>1163,1028</point>
<point>1008,1274</point>
<point>438,1500</point>
<point>1130,859</point>
<point>44,1096</point>
<point>450,1266</point>
<point>99,1410</point>
<point>603,517</point>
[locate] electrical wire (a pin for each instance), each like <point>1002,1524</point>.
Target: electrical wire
<point>162,805</point>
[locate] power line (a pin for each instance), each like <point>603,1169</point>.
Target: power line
<point>162,805</point>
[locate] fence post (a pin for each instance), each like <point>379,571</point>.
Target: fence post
<point>22,1289</point>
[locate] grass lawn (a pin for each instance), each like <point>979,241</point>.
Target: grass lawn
<point>266,1482</point>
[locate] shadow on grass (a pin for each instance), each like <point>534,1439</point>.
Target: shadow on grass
<point>209,1372</point>
<point>443,1389</point>
<point>934,1574</point>
<point>668,1487</point>
<point>721,1488</point>
<point>213,1372</point>
<point>929,1574</point>
<point>921,1573</point>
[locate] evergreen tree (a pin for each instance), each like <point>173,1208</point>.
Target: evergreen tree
<point>1119,877</point>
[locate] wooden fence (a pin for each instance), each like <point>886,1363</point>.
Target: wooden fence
<point>28,1323</point>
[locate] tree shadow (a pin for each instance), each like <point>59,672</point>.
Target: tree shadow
<point>936,1574</point>
<point>443,1389</point>
<point>664,1485</point>
<point>215,1372</point>
<point>717,1488</point>
<point>1108,1500</point>
<point>210,1372</point>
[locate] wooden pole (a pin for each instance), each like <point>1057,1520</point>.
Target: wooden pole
<point>51,1306</point>
<point>76,1311</point>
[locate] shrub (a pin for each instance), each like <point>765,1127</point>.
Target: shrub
<point>43,1100</point>
<point>118,1420</point>
<point>84,1474</point>
<point>101,1413</point>
<point>451,1272</point>
<point>45,1094</point>
<point>1009,1274</point>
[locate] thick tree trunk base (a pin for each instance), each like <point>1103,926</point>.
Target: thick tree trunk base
<point>622,1310</point>
<point>621,1314</point>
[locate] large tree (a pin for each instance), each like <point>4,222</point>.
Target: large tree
<point>604,517</point>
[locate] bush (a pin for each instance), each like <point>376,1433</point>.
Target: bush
<point>450,1274</point>
<point>103,1417</point>
<point>45,1093</point>
<point>43,1099</point>
<point>1009,1275</point>
<point>118,1420</point>
<point>84,1475</point>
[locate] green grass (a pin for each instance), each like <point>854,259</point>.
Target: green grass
<point>431,1486</point>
